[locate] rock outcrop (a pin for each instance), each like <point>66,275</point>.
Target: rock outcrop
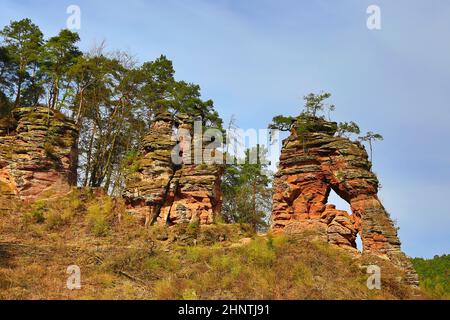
<point>166,192</point>
<point>316,162</point>
<point>38,153</point>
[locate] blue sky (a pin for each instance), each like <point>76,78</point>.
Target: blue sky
<point>257,58</point>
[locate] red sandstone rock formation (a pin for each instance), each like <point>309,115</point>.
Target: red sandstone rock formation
<point>169,193</point>
<point>313,164</point>
<point>38,153</point>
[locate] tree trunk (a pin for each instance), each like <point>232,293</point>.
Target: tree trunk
<point>35,95</point>
<point>108,179</point>
<point>19,92</point>
<point>80,107</point>
<point>108,164</point>
<point>116,190</point>
<point>89,156</point>
<point>55,94</point>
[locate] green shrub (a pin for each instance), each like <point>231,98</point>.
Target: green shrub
<point>37,213</point>
<point>55,219</point>
<point>210,235</point>
<point>260,252</point>
<point>229,263</point>
<point>200,254</point>
<point>279,242</point>
<point>161,262</point>
<point>167,289</point>
<point>189,295</point>
<point>98,216</point>
<point>193,229</point>
<point>302,275</point>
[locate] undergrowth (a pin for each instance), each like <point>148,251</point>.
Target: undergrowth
<point>121,259</point>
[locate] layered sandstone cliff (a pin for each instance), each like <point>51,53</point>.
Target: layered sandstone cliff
<point>312,164</point>
<point>170,192</point>
<point>38,153</point>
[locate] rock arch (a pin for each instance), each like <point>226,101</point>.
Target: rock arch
<point>309,169</point>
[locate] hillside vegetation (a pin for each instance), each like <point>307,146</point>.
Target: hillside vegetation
<point>434,275</point>
<point>120,259</point>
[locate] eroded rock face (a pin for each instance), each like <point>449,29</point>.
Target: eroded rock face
<point>167,192</point>
<point>38,153</point>
<point>313,164</point>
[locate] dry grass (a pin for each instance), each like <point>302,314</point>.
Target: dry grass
<point>126,261</point>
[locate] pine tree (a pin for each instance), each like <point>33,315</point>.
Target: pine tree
<point>59,56</point>
<point>247,191</point>
<point>23,42</point>
<point>371,137</point>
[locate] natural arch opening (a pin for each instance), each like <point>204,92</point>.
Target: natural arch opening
<point>343,205</point>
<point>359,243</point>
<point>340,203</point>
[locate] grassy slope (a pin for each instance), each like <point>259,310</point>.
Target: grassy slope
<point>126,261</point>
